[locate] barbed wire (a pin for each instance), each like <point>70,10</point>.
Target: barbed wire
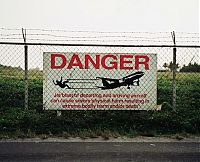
<point>7,35</point>
<point>187,33</point>
<point>120,40</point>
<point>97,36</point>
<point>88,31</point>
<point>12,38</point>
<point>10,29</point>
<point>93,40</point>
<point>187,41</point>
<point>93,31</point>
<point>96,40</point>
<point>197,37</point>
<point>104,36</point>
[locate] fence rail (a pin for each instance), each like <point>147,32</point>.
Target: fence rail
<point>98,45</point>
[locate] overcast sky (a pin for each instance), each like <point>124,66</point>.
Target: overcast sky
<point>101,15</point>
<point>97,15</point>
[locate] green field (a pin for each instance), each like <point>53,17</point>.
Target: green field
<point>14,121</point>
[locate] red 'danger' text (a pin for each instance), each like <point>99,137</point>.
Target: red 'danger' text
<point>106,61</point>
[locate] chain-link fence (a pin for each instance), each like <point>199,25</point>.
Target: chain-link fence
<point>168,80</point>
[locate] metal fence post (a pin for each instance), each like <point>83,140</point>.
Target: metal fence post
<point>25,70</point>
<point>174,73</point>
<point>174,79</point>
<point>26,76</point>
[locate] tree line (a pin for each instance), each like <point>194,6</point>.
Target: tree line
<point>195,67</point>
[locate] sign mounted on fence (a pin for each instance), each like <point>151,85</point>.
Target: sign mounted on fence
<point>98,81</point>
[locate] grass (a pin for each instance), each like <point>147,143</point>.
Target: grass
<point>15,122</point>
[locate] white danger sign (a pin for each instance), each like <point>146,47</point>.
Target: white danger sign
<point>96,81</point>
